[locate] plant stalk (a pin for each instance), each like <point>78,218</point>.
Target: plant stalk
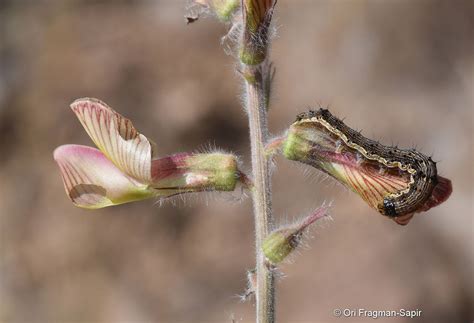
<point>258,74</point>
<point>256,105</point>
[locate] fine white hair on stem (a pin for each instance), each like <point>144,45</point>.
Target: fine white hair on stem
<point>243,97</point>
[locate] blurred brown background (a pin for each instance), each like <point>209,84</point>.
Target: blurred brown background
<point>401,70</point>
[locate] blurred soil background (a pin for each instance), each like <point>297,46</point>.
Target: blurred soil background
<point>400,70</point>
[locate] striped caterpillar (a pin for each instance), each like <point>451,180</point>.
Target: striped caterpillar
<point>420,189</point>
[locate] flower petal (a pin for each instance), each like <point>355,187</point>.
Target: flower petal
<point>92,181</point>
<point>116,137</point>
<point>387,178</point>
<point>440,194</point>
<point>369,183</point>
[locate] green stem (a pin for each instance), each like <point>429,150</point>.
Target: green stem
<point>256,105</point>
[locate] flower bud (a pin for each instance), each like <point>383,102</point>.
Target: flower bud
<point>257,15</point>
<point>282,242</point>
<point>279,244</point>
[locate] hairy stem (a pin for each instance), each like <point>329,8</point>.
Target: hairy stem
<point>258,75</point>
<point>256,105</point>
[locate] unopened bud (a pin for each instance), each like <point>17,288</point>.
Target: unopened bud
<point>257,15</point>
<point>282,242</point>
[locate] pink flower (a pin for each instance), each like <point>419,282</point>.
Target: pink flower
<point>126,167</point>
<point>314,141</point>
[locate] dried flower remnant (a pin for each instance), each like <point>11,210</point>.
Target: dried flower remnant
<point>395,182</point>
<point>251,285</point>
<point>282,242</point>
<point>126,167</point>
<point>223,9</point>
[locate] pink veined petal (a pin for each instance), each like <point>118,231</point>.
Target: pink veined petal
<point>116,137</point>
<point>370,185</point>
<point>93,181</point>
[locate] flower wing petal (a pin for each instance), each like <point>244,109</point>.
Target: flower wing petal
<point>92,181</point>
<point>116,137</point>
<point>370,185</point>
